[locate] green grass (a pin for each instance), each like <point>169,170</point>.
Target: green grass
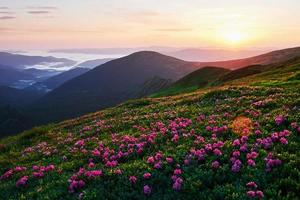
<point>277,94</point>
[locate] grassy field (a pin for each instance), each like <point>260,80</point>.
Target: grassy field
<point>236,140</point>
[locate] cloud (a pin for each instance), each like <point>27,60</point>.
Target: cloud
<point>3,8</point>
<point>6,17</point>
<point>6,12</point>
<point>173,29</point>
<point>39,12</point>
<point>44,8</point>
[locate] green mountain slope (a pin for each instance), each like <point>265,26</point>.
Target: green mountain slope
<point>195,80</point>
<point>189,146</point>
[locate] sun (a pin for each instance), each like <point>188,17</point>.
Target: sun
<point>233,37</point>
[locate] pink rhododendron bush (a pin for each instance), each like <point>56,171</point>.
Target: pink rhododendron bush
<point>184,147</point>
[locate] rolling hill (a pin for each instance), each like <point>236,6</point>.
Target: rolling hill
<point>198,79</point>
<point>57,80</point>
<point>23,61</point>
<point>236,141</point>
<point>109,84</point>
<point>264,59</point>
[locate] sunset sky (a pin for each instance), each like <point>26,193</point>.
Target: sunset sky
<point>39,24</point>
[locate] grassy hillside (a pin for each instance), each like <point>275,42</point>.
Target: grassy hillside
<point>198,79</point>
<point>235,141</point>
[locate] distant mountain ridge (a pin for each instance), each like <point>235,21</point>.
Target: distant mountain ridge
<point>57,80</point>
<point>23,61</point>
<point>111,83</point>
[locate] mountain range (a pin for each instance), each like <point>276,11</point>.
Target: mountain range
<point>140,74</point>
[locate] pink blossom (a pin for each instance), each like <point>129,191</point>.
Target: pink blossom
<point>259,194</point>
<point>169,159</point>
<point>147,175</point>
<point>118,172</point>
<point>283,140</point>
<point>7,174</point>
<point>39,174</point>
<point>251,184</point>
<point>94,173</point>
<point>279,119</point>
<point>236,142</point>
<point>257,132</point>
<point>215,164</point>
<point>19,169</point>
<point>177,171</point>
<point>91,165</point>
<point>132,179</point>
<point>217,152</point>
<point>177,184</point>
<point>79,143</point>
<point>22,181</point>
<point>251,162</point>
<point>150,160</point>
<point>251,194</point>
<point>75,185</point>
<point>236,153</point>
<point>96,153</point>
<point>147,190</point>
<point>157,165</point>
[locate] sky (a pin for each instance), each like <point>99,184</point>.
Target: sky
<point>52,24</point>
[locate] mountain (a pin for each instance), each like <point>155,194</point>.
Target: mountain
<point>13,118</point>
<point>212,55</point>
<point>17,97</point>
<point>200,78</point>
<point>236,141</point>
<point>93,63</point>
<point>212,76</point>
<point>264,59</point>
<point>109,84</point>
<point>23,61</point>
<point>9,75</point>
<point>55,81</point>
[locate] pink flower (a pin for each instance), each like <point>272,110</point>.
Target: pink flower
<point>91,165</point>
<point>147,175</point>
<point>259,194</point>
<point>79,143</point>
<point>217,152</point>
<point>177,184</point>
<point>177,171</point>
<point>283,140</point>
<point>169,159</point>
<point>215,165</point>
<point>279,119</point>
<point>22,181</point>
<point>157,165</point>
<point>19,169</point>
<point>236,142</point>
<point>75,185</point>
<point>175,138</point>
<point>118,171</point>
<point>39,174</point>
<point>94,173</point>
<point>50,168</point>
<point>35,168</point>
<point>251,184</point>
<point>132,179</point>
<point>236,154</point>
<point>147,190</point>
<point>150,160</point>
<point>96,153</point>
<point>251,162</point>
<point>7,174</point>
<point>257,132</point>
<point>251,194</point>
